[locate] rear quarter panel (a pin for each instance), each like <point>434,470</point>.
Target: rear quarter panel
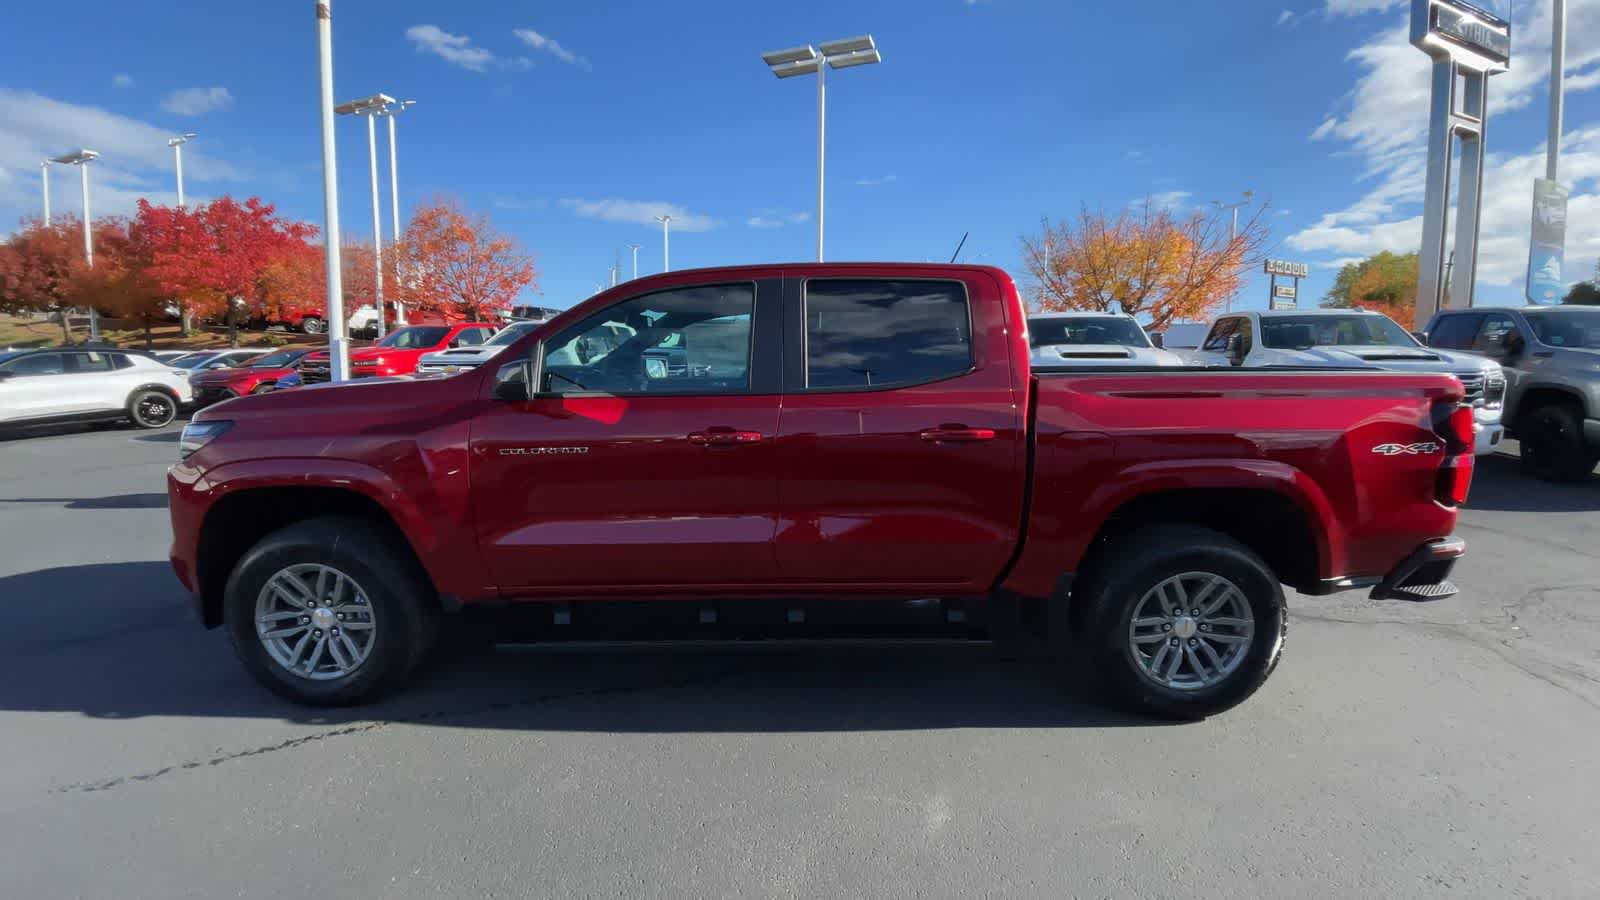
<point>1106,439</point>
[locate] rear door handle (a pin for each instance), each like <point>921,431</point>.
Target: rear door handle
<point>724,437</point>
<point>958,434</point>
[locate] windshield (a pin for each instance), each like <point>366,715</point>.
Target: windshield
<point>510,333</point>
<point>415,338</point>
<point>1576,328</point>
<point>1305,332</point>
<point>1049,331</point>
<point>12,354</point>
<point>277,360</point>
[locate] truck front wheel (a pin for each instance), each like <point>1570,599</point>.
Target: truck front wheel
<point>1552,446</point>
<point>1183,622</point>
<point>328,612</point>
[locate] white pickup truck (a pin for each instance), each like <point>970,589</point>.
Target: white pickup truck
<point>1353,338</point>
<point>1089,338</point>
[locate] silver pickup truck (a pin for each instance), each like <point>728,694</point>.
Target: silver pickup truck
<point>1551,357</point>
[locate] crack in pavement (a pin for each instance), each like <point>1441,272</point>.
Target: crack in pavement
<point>85,787</point>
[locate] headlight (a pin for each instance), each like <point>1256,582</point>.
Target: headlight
<point>198,434</point>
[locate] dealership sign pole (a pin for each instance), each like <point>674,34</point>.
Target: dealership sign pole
<point>1467,45</point>
<point>1284,296</point>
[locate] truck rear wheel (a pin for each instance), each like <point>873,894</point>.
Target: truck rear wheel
<point>313,325</point>
<point>328,612</point>
<point>1183,622</point>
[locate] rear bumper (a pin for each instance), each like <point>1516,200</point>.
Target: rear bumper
<point>1424,575</point>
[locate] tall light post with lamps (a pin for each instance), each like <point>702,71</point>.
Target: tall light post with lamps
<point>81,159</point>
<point>1233,228</point>
<point>666,225</point>
<point>177,159</point>
<point>338,344</point>
<point>369,107</point>
<point>44,177</point>
<point>842,54</point>
<point>635,249</point>
<point>389,112</point>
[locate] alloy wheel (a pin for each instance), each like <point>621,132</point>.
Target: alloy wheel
<point>315,621</point>
<point>1191,631</point>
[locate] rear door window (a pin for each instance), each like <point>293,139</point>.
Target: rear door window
<point>88,362</point>
<point>866,333</point>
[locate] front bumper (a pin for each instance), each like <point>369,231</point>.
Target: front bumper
<point>1425,574</point>
<point>1591,432</point>
<point>1487,438</point>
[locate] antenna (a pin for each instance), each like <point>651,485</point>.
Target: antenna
<point>960,245</point>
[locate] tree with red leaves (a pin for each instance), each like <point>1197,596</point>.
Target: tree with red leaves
<point>456,265</point>
<point>211,258</point>
<point>38,266</point>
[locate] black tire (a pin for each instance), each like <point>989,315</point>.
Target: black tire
<point>151,408</point>
<point>261,389</point>
<point>313,325</point>
<point>400,595</point>
<point>1551,444</point>
<point>1135,565</point>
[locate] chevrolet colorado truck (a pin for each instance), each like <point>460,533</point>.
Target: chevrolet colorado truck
<point>871,435</point>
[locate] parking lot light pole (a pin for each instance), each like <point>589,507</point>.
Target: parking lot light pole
<point>177,159</point>
<point>44,175</point>
<point>1233,229</point>
<point>389,112</point>
<point>666,223</point>
<point>370,107</point>
<point>338,345</point>
<point>635,249</point>
<point>81,159</point>
<point>842,54</point>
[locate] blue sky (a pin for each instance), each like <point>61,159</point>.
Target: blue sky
<point>573,123</point>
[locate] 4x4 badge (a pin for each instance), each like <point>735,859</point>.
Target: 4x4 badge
<point>1406,449</point>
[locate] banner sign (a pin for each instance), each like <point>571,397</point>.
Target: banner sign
<point>1547,282</point>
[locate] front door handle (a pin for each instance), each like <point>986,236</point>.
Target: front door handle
<point>958,434</point>
<point>721,436</point>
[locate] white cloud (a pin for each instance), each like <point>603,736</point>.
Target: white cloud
<point>134,158</point>
<point>772,219</point>
<point>639,212</point>
<point>1357,7</point>
<point>122,80</point>
<point>874,182</point>
<point>197,101</point>
<point>1286,17</point>
<point>1167,199</point>
<point>548,45</point>
<point>1383,121</point>
<point>1392,222</point>
<point>457,49</point>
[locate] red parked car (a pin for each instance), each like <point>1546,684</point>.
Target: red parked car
<point>255,377</point>
<point>719,444</point>
<point>399,351</point>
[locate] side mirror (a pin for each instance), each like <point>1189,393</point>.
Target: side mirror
<point>1159,339</point>
<point>1421,336</point>
<point>1236,350</point>
<point>511,383</point>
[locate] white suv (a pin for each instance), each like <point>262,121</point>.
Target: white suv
<point>39,387</point>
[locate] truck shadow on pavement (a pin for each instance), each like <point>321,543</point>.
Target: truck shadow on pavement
<point>1499,484</point>
<point>115,501</point>
<point>117,640</point>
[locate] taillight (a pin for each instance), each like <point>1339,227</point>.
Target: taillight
<point>1453,423</point>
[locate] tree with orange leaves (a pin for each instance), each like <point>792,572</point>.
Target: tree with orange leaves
<point>1147,262</point>
<point>456,265</point>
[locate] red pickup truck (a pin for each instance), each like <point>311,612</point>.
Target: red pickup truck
<point>399,351</point>
<point>713,443</point>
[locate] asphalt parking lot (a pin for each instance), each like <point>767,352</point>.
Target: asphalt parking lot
<point>1400,750</point>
